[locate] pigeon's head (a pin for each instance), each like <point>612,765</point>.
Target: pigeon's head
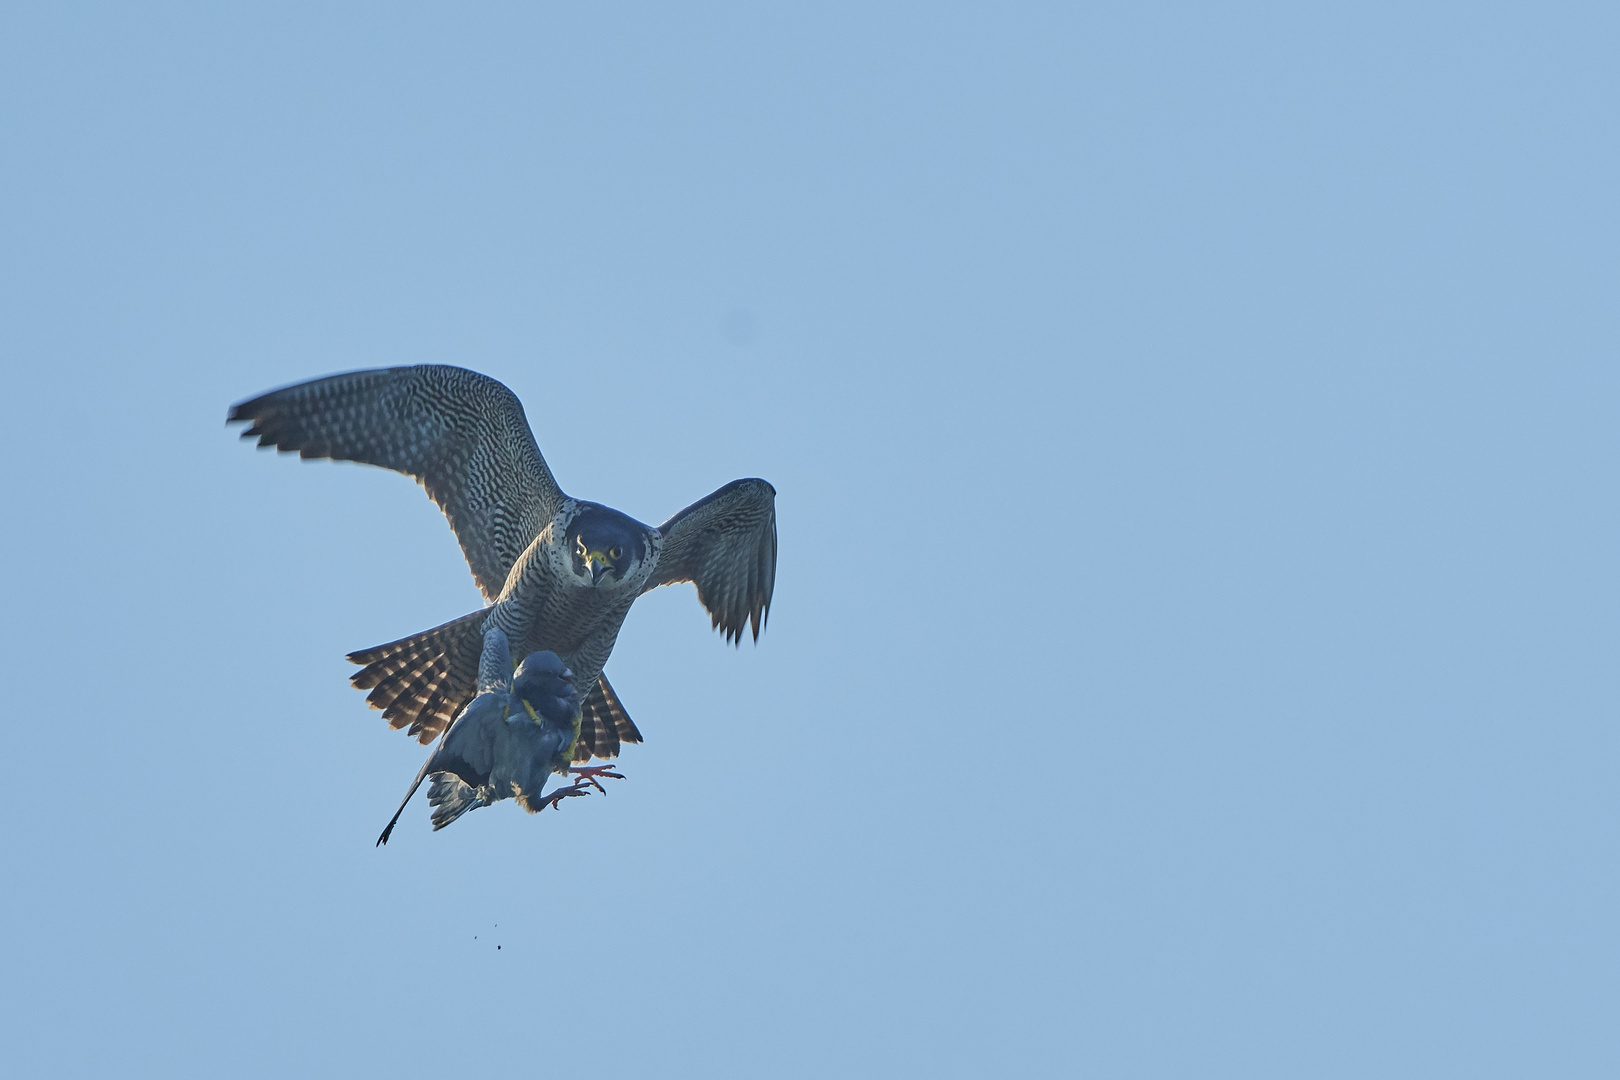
<point>545,682</point>
<point>607,548</point>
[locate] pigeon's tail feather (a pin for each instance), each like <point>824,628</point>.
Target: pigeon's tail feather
<point>451,797</point>
<point>422,681</point>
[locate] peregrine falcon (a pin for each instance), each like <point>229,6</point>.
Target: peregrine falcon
<point>559,573</point>
<point>518,731</point>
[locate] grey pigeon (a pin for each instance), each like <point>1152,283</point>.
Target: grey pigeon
<point>516,733</point>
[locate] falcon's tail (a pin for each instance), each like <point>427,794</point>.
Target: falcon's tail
<point>605,724</point>
<point>422,681</point>
<point>450,797</point>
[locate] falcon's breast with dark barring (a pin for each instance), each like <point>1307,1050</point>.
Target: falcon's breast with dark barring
<point>559,573</point>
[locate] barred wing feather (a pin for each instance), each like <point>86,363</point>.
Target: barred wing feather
<point>725,544</point>
<point>462,435</point>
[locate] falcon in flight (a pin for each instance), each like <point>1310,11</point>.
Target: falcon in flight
<point>559,573</point>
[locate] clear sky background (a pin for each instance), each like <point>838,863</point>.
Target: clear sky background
<point>1194,644</point>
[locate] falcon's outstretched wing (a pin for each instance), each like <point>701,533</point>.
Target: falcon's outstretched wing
<point>725,544</point>
<point>461,434</point>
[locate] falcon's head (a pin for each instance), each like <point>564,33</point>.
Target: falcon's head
<point>606,548</point>
<point>544,684</point>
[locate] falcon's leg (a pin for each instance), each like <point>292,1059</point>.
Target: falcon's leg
<point>590,774</point>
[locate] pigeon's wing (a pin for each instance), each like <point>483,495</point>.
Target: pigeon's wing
<point>604,724</point>
<point>462,435</point>
<point>462,764</point>
<point>725,544</point>
<point>469,749</point>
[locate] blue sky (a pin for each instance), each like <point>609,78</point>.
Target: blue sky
<point>1193,645</point>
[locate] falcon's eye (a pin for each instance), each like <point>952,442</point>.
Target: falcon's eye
<point>615,553</point>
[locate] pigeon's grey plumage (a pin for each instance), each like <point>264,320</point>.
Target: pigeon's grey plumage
<point>510,739</point>
<point>560,573</point>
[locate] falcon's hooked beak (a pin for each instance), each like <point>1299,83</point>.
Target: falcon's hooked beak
<point>598,564</point>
